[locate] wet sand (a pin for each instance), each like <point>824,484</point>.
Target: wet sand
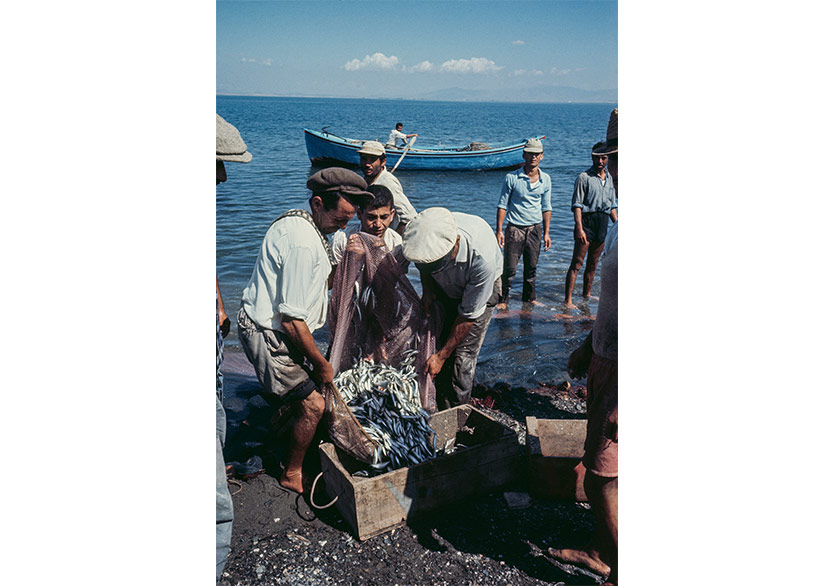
<point>480,541</point>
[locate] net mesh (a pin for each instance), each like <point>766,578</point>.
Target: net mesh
<point>376,314</point>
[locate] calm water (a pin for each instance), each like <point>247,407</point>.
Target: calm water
<point>520,347</point>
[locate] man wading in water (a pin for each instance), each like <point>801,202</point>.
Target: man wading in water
<point>593,203</point>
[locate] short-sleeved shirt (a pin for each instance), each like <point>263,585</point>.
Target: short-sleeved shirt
<point>525,201</point>
<point>394,136</point>
<point>471,275</point>
<point>404,211</point>
<point>392,239</point>
<point>290,277</point>
<point>593,194</point>
<point>605,331</point>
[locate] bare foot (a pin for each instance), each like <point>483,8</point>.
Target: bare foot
<point>535,303</point>
<point>292,481</point>
<point>586,559</point>
<point>569,305</point>
<point>501,306</point>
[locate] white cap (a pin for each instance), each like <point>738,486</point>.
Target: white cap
<point>534,145</point>
<point>430,236</point>
<point>373,148</point>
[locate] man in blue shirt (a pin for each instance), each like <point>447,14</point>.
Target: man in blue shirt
<point>526,202</point>
<point>594,201</point>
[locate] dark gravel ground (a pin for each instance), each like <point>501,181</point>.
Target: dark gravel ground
<point>479,541</point>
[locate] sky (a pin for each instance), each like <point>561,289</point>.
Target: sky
<point>411,49</point>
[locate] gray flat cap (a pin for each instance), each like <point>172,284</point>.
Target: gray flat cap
<point>346,182</point>
<point>230,145</point>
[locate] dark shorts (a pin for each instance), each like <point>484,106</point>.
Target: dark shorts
<point>595,225</point>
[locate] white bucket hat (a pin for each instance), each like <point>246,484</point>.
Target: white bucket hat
<point>430,236</point>
<point>230,145</point>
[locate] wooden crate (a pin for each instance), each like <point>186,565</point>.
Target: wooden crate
<point>554,449</point>
<point>377,504</point>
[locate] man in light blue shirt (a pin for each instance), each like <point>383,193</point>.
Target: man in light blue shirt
<point>526,203</point>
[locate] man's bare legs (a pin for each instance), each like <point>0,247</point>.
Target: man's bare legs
<point>580,249</point>
<point>595,250</point>
<point>307,414</point>
<point>601,554</point>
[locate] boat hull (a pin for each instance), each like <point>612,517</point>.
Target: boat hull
<point>328,149</point>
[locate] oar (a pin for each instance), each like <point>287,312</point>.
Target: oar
<point>408,146</point>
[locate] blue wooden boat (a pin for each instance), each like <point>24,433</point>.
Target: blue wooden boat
<point>325,149</point>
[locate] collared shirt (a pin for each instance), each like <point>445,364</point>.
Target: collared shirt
<point>471,275</point>
<point>394,136</point>
<point>592,194</point>
<point>605,331</point>
<point>525,202</point>
<point>404,211</point>
<point>290,277</point>
<point>392,239</point>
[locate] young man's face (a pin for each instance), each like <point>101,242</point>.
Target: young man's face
<point>599,162</point>
<point>375,221</point>
<point>371,165</point>
<point>532,159</point>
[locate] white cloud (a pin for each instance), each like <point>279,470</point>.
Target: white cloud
<point>247,60</point>
<point>421,67</point>
<point>556,71</point>
<point>375,61</point>
<point>472,65</point>
<point>520,72</point>
<point>268,62</point>
<point>518,43</point>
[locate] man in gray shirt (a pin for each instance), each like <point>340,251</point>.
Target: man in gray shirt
<point>593,203</point>
<point>460,266</point>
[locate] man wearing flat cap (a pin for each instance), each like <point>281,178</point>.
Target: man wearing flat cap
<point>460,267</point>
<point>230,147</point>
<point>593,203</point>
<point>286,300</point>
<point>373,167</point>
<point>526,202</point>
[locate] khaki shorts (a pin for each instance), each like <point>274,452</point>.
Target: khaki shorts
<point>279,365</point>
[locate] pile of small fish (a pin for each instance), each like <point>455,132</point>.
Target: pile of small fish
<point>386,402</point>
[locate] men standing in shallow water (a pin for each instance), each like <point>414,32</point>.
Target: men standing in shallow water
<point>526,201</point>
<point>593,203</point>
<point>373,167</point>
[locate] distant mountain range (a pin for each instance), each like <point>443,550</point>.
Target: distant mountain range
<point>532,94</point>
<point>456,94</point>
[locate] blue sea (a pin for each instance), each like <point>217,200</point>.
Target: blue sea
<point>521,347</point>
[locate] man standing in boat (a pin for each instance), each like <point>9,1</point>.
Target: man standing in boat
<point>526,202</point>
<point>460,267</point>
<point>397,135</point>
<point>286,300</point>
<point>373,167</point>
<point>593,203</point>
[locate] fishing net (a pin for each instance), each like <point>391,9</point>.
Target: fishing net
<point>374,315</point>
